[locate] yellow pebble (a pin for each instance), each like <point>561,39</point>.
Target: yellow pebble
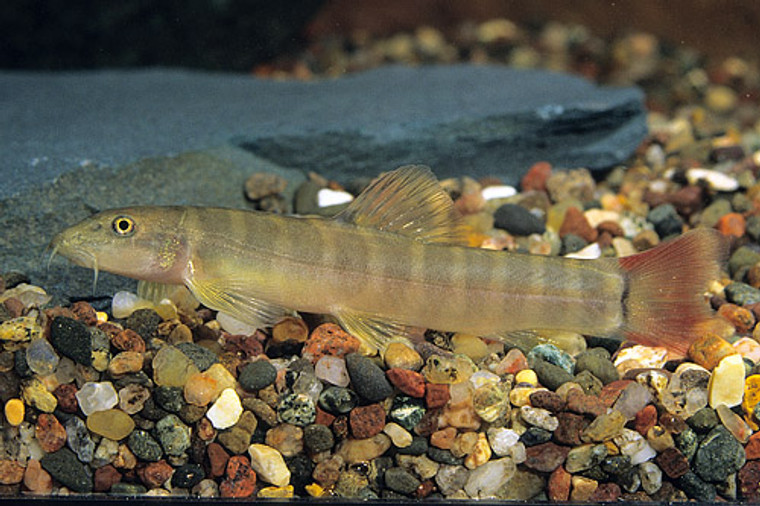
<point>286,491</point>
<point>101,316</point>
<point>14,411</point>
<point>471,346</point>
<point>526,376</point>
<point>315,490</point>
<point>751,394</point>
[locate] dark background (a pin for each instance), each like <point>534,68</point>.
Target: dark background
<point>237,35</point>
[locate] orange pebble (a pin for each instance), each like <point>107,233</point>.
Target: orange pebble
<point>732,224</point>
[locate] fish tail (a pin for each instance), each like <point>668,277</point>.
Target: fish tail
<point>664,304</point>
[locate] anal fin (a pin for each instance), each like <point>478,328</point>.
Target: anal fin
<point>238,300</point>
<point>375,332</point>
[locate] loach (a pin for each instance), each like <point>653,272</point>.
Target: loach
<point>396,260</point>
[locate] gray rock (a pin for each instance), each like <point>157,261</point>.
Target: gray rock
<point>367,379</point>
<point>107,139</point>
<point>517,220</point>
<point>257,375</point>
<point>64,466</point>
<point>718,455</point>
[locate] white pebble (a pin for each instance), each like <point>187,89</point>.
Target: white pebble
<point>483,378</point>
<point>498,192</point>
<point>332,369</point>
<point>647,356</point>
<point>590,252</point>
<point>327,197</point>
<point>502,440</point>
<point>94,397</point>
<point>539,417</point>
<point>126,303</point>
<point>269,465</point>
<point>226,410</point>
<point>235,326</point>
<point>727,382</point>
<point>597,216</point>
<point>716,180</point>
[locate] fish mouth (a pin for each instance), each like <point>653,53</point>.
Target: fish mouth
<point>75,254</point>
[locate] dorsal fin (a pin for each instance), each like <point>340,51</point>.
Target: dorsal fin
<point>408,201</point>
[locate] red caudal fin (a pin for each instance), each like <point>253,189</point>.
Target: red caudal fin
<point>665,303</point>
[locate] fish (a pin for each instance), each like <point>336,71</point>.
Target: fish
<point>397,260</point>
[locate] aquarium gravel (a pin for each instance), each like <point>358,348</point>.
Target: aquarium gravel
<point>163,399</point>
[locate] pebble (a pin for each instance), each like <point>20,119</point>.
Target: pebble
<point>79,439</point>
<point>111,423</point>
<point>241,478</point>
<point>36,479</point>
<point>575,223</point>
<point>400,356</point>
<point>585,457</point>
<point>546,457</point>
<point>14,412</point>
<point>367,379</point>
<point>125,362</point>
<point>539,417</point>
<point>709,350</point>
<point>517,220</point>
<point>172,368</point>
<point>400,437</point>
<point>72,339</point>
<point>550,375</point>
<point>297,409</point>
<point>97,396</point>
<point>332,370</point>
<point>727,382</point>
<point>360,450</point>
<point>144,446</point>
<point>64,467</point>
<point>407,381</point>
<point>269,464</point>
<point>597,362</point>
<point>329,339</point>
<point>406,411</point>
<point>173,435</point>
<point>604,427</point>
<point>257,375</point>
<point>486,480</point>
<point>41,357</point>
<point>401,481</point>
<point>367,421</point>
<point>187,475</point>
<point>49,433</point>
<point>264,184</point>
<point>718,455</point>
<point>470,346</point>
<point>34,393</point>
<point>715,180</point>
<point>226,410</point>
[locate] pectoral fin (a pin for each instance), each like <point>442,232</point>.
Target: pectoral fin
<point>374,332</point>
<point>237,300</point>
<point>156,292</point>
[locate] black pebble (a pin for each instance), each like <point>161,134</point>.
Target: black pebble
<point>65,467</point>
<point>367,379</point>
<point>257,375</point>
<point>517,220</point>
<point>203,358</point>
<point>318,438</point>
<point>169,398</point>
<point>144,322</point>
<point>535,436</point>
<point>72,339</point>
<point>187,476</point>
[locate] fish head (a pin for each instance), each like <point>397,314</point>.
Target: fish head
<point>145,243</point>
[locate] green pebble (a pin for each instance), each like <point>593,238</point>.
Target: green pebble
<point>418,447</point>
<point>127,489</point>
<point>718,456</point>
<point>590,384</point>
<point>703,420</point>
<point>257,375</point>
<point>742,293</point>
<point>753,227</point>
<point>550,375</point>
<point>203,358</point>
<point>144,446</point>
<point>173,435</point>
<point>169,398</point>
<point>553,355</point>
<point>443,456</point>
<point>597,362</point>
<point>687,442</point>
<point>696,489</point>
<point>714,212</point>
<point>401,481</point>
<point>406,411</point>
<point>318,438</point>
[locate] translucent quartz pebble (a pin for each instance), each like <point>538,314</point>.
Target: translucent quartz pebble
<point>490,402</point>
<point>126,303</point>
<point>309,385</point>
<point>333,370</point>
<point>66,370</point>
<point>727,382</point>
<point>633,444</point>
<point>172,368</point>
<point>632,399</point>
<point>687,391</point>
<point>502,440</point>
<point>29,295</point>
<point>539,417</point>
<point>448,370</point>
<point>482,378</point>
<point>235,326</point>
<point>651,477</point>
<point>41,357</point>
<point>487,479</point>
<point>655,381</point>
<point>734,424</point>
<point>96,396</point>
<point>590,252</point>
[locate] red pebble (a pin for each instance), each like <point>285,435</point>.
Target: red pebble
<point>247,346</point>
<point>536,177</point>
<point>410,382</point>
<point>673,463</point>
<point>241,479</point>
<point>752,450</point>
<point>329,339</point>
<point>576,223</point>
<point>645,419</point>
<point>367,421</point>
<point>155,474</point>
<point>66,395</point>
<point>611,391</point>
<point>105,478</point>
<point>50,433</point>
<point>14,307</point>
<point>749,481</point>
<point>546,457</point>
<point>128,340</point>
<point>606,492</point>
<point>569,429</point>
<point>732,225</point>
<point>425,489</point>
<point>583,404</point>
<point>323,417</point>
<point>436,396</point>
<point>558,488</point>
<point>217,459</point>
<point>84,312</point>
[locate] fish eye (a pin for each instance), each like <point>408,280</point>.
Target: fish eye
<point>123,225</point>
